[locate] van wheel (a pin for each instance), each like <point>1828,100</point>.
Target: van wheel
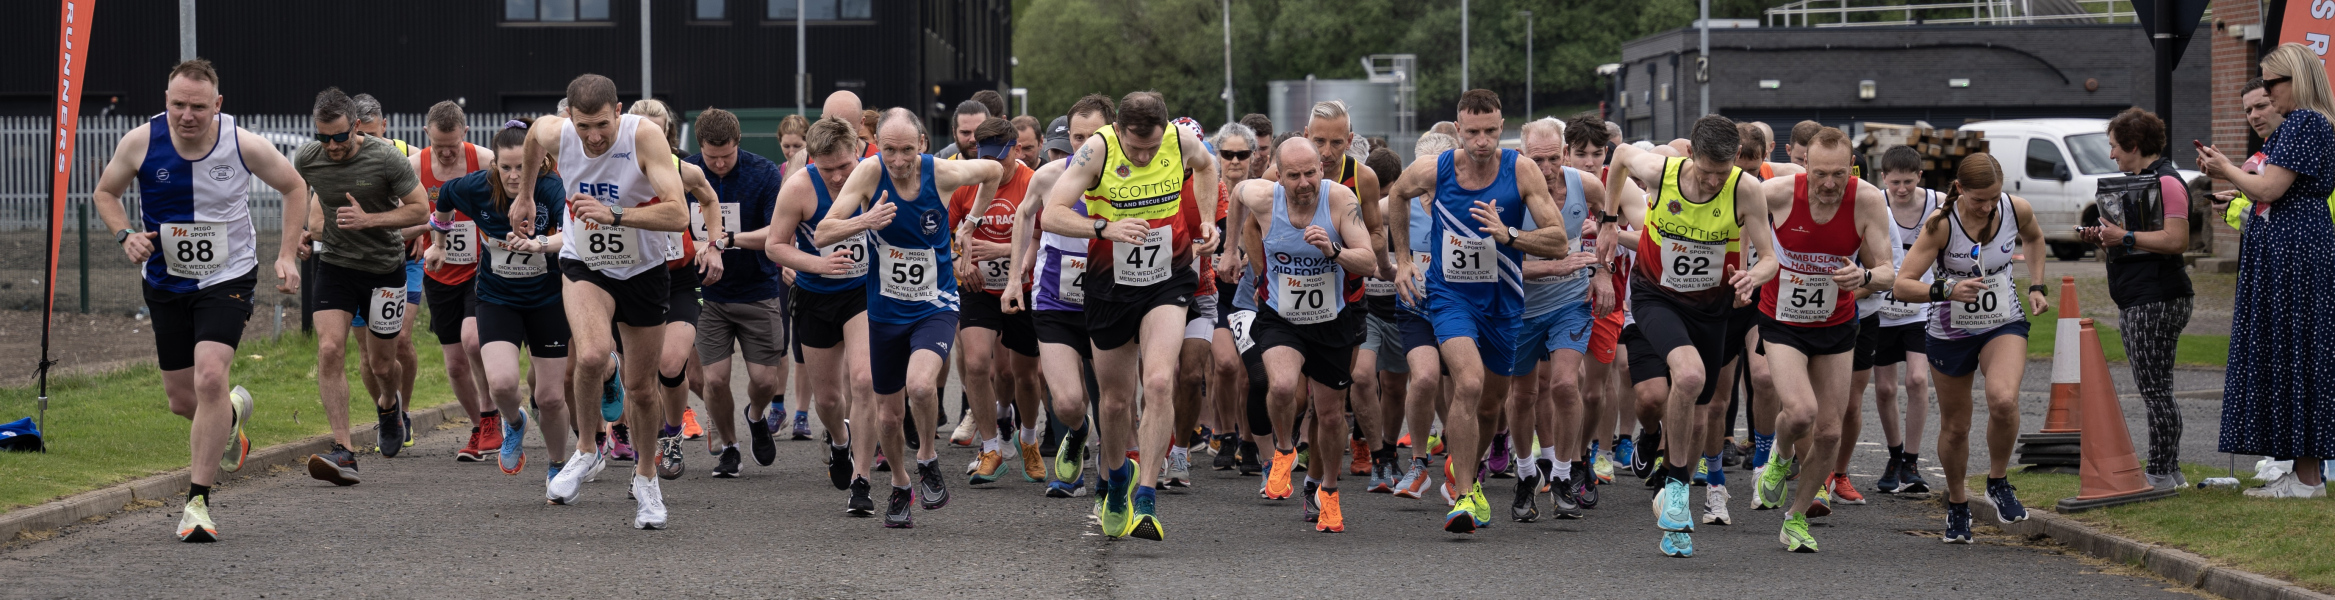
<point>2068,251</point>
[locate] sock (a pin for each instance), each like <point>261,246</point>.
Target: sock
<point>669,431</point>
<point>1710,462</point>
<point>1897,453</point>
<point>1679,474</point>
<point>991,444</point>
<point>778,403</point>
<point>1029,433</point>
<point>1119,476</point>
<point>1563,471</point>
<point>559,465</point>
<point>1761,445</point>
<point>1617,440</point>
<point>1550,454</point>
<point>1526,468</point>
<point>1717,476</point>
<point>1913,460</point>
<point>934,463</point>
<point>491,413</point>
<point>1310,482</point>
<point>194,490</point>
<point>1146,494</point>
<point>839,446</point>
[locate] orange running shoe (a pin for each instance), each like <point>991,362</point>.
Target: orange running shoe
<point>1361,462</point>
<point>1845,492</point>
<point>689,428</point>
<point>1331,520</point>
<point>1405,442</point>
<point>1277,480</point>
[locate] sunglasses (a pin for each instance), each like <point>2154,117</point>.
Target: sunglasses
<point>336,137</point>
<point>1235,154</point>
<point>2271,81</point>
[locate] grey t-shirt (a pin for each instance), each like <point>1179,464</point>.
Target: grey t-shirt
<point>379,177</point>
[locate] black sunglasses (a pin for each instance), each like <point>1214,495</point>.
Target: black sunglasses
<point>2271,81</point>
<point>1235,154</point>
<point>336,137</point>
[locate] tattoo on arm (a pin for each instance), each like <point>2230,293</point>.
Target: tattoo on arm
<point>1084,155</point>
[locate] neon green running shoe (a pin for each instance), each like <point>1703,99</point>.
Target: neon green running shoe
<point>1795,535</point>
<point>1770,492</point>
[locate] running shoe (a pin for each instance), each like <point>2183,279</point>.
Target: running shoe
<point>1957,522</point>
<point>1361,463</point>
<point>861,504</point>
<point>1602,467</point>
<point>599,462</point>
<point>1332,519</point>
<point>565,487</point>
<point>620,446</point>
<point>1299,463</point>
<point>1888,483</point>
<point>1795,535</point>
<point>1459,520</point>
<point>1767,491</point>
<point>1403,442</point>
<point>1624,451</point>
<point>765,448</point>
<point>1434,443</point>
<point>239,447</point>
<point>1586,490</point>
<point>1179,468</point>
<point>1146,520</point>
<point>669,465</point>
<point>1248,459</point>
<point>1822,506</point>
<point>405,428</point>
<point>802,429</point>
<point>932,491</point>
<point>1845,492</point>
<point>649,510</point>
<point>1677,545</point>
<point>511,455</point>
<point>469,452</point>
<point>194,523</point>
<point>963,436</point>
<point>1033,462</point>
<point>337,465</point>
<point>1702,472</point>
<point>1277,483</point>
<point>689,427</point>
<point>1909,477</point>
<point>1656,478</point>
<point>898,512</point>
<point>1227,453</point>
<point>1670,508</point>
<point>1382,475</point>
<point>839,466</point>
<point>1526,507</point>
<point>1715,505</point>
<point>490,434</point>
<point>1115,507</point>
<point>1642,464</point>
<point>1567,500</point>
<point>726,467</point>
<point>1498,463</point>
<point>1414,481</point>
<point>985,467</point>
<point>1069,471</point>
<point>1731,454</point>
<point>392,432</point>
<point>1479,508</point>
<point>1307,510</point>
<point>2006,501</point>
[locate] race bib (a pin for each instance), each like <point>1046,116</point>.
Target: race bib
<point>1303,299</point>
<point>857,249</point>
<point>606,247</point>
<point>1805,297</point>
<point>513,264</point>
<point>673,249</point>
<point>194,250</point>
<point>1692,266</point>
<point>385,312</point>
<point>1994,306</point>
<point>909,275</point>
<point>460,243</point>
<point>697,220</point>
<point>1468,260</point>
<point>1893,310</point>
<point>1072,282</point>
<point>1373,286</point>
<point>1239,323</point>
<point>995,273</point>
<point>1142,264</point>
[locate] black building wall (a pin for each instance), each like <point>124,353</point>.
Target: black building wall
<point>274,55</point>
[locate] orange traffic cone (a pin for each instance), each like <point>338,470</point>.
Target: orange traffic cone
<point>2066,366</point>
<point>2111,471</point>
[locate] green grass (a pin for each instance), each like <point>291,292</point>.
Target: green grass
<point>2194,350</point>
<point>2286,539</point>
<point>108,428</point>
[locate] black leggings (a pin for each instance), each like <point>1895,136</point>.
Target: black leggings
<point>2151,332</point>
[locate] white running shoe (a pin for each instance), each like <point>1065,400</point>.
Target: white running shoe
<point>651,511</point>
<point>1715,505</point>
<point>2288,486</point>
<point>599,462</point>
<point>565,486</point>
<point>963,436</point>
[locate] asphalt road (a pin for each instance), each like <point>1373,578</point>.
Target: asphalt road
<point>423,525</point>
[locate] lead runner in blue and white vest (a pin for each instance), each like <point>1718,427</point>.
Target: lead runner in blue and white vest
<point>1474,286</point>
<point>623,185</point>
<point>912,297</point>
<point>193,168</point>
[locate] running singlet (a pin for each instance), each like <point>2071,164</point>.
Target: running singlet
<point>199,207</point>
<point>1422,234</point>
<point>1469,265</point>
<point>615,178</point>
<point>1302,284</point>
<point>681,246</point>
<point>914,273</point>
<point>1061,269</point>
<point>994,226</point>
<point>1803,293</point>
<point>509,277</point>
<point>1349,170</point>
<point>1964,258</point>
<point>1545,294</point>
<point>1203,264</point>
<point>1893,312</point>
<point>460,243</point>
<point>851,278</point>
<point>1686,247</point>
<point>1152,193</point>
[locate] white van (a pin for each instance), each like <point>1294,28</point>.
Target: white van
<point>2057,165</point>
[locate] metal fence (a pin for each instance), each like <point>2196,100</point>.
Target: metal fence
<point>24,161</point>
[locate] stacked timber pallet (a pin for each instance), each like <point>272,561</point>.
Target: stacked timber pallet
<point>1942,150</point>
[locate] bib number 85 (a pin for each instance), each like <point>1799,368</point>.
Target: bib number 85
<point>605,243</point>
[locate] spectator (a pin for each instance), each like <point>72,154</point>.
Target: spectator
<point>2280,387</point>
<point>790,142</point>
<point>2263,119</point>
<point>2142,233</point>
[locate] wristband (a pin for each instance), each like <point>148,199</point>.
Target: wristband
<point>1868,279</point>
<point>441,226</point>
<point>1609,219</point>
<point>2131,243</point>
<point>2039,289</point>
<point>1938,289</point>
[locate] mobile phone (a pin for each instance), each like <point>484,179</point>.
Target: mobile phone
<point>2200,145</point>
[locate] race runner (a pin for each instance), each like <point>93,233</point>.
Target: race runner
<point>451,266</point>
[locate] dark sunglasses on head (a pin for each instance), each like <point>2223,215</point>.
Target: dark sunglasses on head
<point>1235,154</point>
<point>336,138</point>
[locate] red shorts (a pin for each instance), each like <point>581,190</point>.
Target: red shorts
<point>1604,335</point>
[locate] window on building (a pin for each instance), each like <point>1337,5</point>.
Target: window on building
<point>710,10</point>
<point>821,10</point>
<point>555,11</point>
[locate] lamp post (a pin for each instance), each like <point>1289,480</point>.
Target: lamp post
<point>1228,111</point>
<point>1527,62</point>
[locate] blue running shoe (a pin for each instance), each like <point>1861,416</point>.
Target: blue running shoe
<point>1671,512</point>
<point>1888,483</point>
<point>1624,451</point>
<point>1957,522</point>
<point>1677,545</point>
<point>2006,503</point>
<point>513,455</point>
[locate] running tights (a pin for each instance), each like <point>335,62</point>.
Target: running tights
<point>2150,333</point>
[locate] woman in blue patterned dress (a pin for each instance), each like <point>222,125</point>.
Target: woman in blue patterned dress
<point>2280,398</point>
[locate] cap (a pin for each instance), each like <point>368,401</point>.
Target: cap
<point>1058,136</point>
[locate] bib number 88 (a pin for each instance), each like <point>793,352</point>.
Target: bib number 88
<point>191,251</point>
